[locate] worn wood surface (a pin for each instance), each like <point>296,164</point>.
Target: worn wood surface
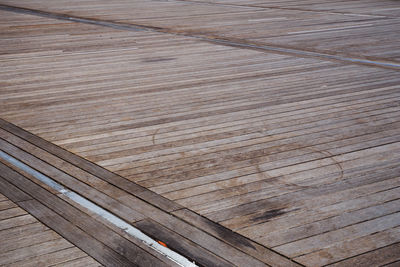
<point>356,29</point>
<point>106,246</point>
<point>27,242</point>
<point>283,152</point>
<point>216,249</point>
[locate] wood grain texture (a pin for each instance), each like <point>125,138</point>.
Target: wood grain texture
<point>356,29</point>
<point>215,251</point>
<point>28,242</point>
<point>295,156</point>
<point>93,237</point>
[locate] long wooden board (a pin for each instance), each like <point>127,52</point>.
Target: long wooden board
<point>28,242</point>
<point>361,30</point>
<point>247,152</point>
<point>179,234</point>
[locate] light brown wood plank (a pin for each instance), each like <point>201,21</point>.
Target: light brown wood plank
<point>34,250</point>
<point>223,250</point>
<point>81,262</point>
<point>53,258</point>
<point>320,27</point>
<point>27,242</point>
<point>85,241</point>
<point>25,239</point>
<point>350,248</point>
<point>6,205</point>
<point>378,257</point>
<point>11,213</point>
<point>239,143</point>
<point>16,221</point>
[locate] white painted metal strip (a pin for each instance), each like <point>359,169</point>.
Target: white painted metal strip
<point>172,255</point>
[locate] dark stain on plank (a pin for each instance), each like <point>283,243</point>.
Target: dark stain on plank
<point>160,59</point>
<point>266,216</point>
<point>230,236</point>
<point>214,229</point>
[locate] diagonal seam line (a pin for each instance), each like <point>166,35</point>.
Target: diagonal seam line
<point>11,130</point>
<point>214,39</point>
<point>118,222</point>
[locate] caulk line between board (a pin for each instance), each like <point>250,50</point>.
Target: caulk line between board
<point>45,14</point>
<point>216,40</point>
<point>255,6</point>
<point>116,221</point>
<point>303,53</point>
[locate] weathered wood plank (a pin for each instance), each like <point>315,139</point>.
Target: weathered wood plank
<point>342,29</point>
<point>29,229</point>
<point>88,244</point>
<point>13,192</point>
<point>81,262</point>
<point>363,185</point>
<point>319,225</point>
<point>350,232</point>
<point>234,239</point>
<point>279,147</point>
<point>6,205</point>
<point>73,182</point>
<point>144,208</point>
<point>92,168</point>
<point>91,227</point>
<point>11,213</point>
<point>53,258</point>
<point>16,221</point>
<point>180,244</point>
<point>380,256</point>
<point>27,242</point>
<point>25,239</point>
<point>13,257</point>
<point>351,248</point>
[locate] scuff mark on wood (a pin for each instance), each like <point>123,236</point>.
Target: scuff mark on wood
<point>332,157</point>
<point>277,180</point>
<point>154,136</point>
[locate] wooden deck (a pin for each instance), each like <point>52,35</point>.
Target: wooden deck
<point>351,29</point>
<point>237,132</point>
<point>27,242</point>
